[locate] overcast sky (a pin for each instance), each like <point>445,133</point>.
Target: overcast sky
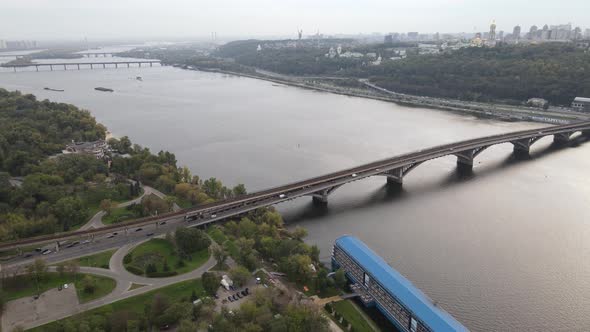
<point>156,19</point>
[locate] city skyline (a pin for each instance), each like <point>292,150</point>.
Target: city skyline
<point>154,19</point>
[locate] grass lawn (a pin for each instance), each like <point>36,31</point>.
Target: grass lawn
<point>104,286</point>
<point>353,315</point>
<point>25,286</point>
<point>135,286</point>
<point>158,251</point>
<point>97,260</point>
<point>135,304</point>
<point>119,215</point>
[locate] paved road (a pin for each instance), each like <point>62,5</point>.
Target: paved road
<point>96,220</point>
<point>124,280</point>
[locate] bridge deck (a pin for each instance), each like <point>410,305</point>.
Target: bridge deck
<point>311,187</point>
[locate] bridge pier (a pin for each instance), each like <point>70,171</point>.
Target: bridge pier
<point>104,65</point>
<point>51,67</point>
<point>65,68</point>
<point>37,68</point>
<point>320,200</point>
<point>562,138</point>
<point>151,64</point>
<point>127,64</point>
<point>91,67</point>
<point>522,147</point>
<point>395,177</point>
<point>78,66</point>
<point>465,160</point>
<point>116,65</point>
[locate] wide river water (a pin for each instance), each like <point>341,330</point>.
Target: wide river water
<point>507,248</point>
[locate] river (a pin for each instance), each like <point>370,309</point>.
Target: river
<point>504,249</point>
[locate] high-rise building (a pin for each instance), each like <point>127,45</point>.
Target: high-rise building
<point>587,34</point>
<point>412,36</point>
<point>501,35</point>
<point>516,32</point>
<point>2,44</point>
<point>533,32</point>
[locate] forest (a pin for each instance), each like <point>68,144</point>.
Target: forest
<point>557,72</point>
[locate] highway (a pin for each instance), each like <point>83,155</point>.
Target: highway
<point>319,187</point>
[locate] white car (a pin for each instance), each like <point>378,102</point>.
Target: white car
<point>213,216</point>
<point>46,252</point>
<point>354,175</point>
<point>282,196</point>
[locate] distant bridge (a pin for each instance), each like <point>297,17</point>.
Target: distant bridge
<point>97,54</point>
<point>395,169</point>
<point>82,65</point>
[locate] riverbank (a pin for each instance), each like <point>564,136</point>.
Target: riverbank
<point>484,110</point>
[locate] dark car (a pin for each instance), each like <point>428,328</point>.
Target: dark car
<point>139,229</point>
<point>163,223</point>
<point>244,293</point>
<point>234,297</point>
<point>39,249</point>
<point>28,255</point>
<point>115,233</point>
<point>149,234</point>
<point>239,295</point>
<point>247,290</point>
<point>230,299</point>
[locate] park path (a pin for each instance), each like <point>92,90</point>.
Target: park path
<point>96,220</point>
<point>123,278</point>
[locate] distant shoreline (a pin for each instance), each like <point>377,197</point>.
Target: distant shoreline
<point>482,110</point>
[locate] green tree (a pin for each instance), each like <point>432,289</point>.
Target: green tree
<point>89,284</point>
<point>240,275</point>
<point>190,240</point>
<point>210,282</point>
<point>61,269</point>
<point>70,211</point>
<point>187,326</point>
<point>38,271</point>
<point>340,278</point>
<point>299,233</point>
<point>239,190</point>
<point>220,255</point>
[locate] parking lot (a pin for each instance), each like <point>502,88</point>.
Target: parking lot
<point>27,309</point>
<point>234,304</point>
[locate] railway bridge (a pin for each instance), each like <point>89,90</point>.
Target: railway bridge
<point>395,169</point>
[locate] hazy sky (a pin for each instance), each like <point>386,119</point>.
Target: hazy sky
<point>99,19</point>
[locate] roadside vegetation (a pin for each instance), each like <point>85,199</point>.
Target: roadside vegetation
<point>185,251</point>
